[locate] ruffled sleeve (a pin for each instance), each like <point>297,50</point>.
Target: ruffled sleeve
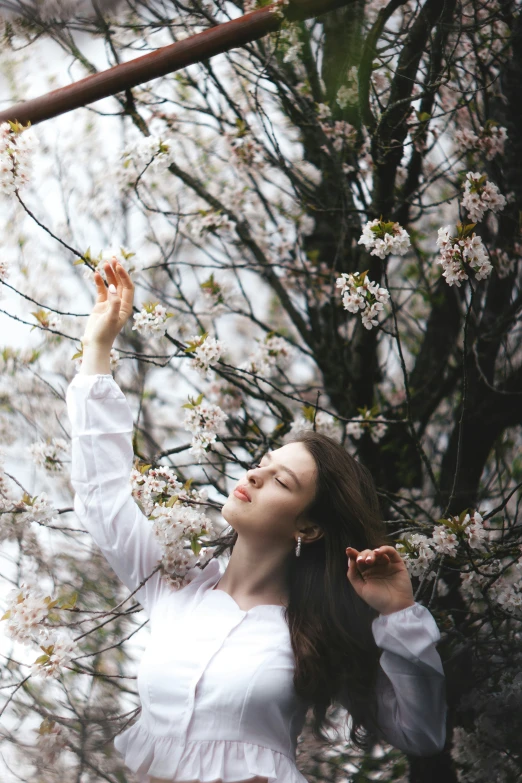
<point>101,461</point>
<point>411,683</point>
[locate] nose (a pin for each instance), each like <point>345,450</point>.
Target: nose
<point>252,476</point>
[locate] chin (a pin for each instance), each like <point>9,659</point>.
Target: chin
<point>230,514</point>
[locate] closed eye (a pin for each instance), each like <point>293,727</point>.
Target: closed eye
<point>280,482</point>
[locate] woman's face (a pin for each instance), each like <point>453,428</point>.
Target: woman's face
<point>280,489</point>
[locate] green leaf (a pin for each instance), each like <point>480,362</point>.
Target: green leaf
<point>71,602</point>
<point>309,412</point>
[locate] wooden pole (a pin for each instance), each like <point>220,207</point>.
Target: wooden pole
<point>168,59</point>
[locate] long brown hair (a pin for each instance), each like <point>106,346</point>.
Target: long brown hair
<point>330,626</point>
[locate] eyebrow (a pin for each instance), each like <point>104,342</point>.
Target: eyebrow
<point>268,455</point>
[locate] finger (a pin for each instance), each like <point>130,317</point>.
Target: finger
<point>354,575</point>
<point>370,557</point>
<point>364,557</point>
<point>121,279</point>
<point>391,552</point>
<point>111,275</point>
<point>101,288</point>
<point>127,286</point>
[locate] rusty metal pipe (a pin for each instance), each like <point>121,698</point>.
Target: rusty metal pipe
<point>221,38</point>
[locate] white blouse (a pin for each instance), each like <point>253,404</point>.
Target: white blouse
<point>215,681</point>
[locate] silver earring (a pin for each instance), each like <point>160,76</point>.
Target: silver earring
<point>298,547</point>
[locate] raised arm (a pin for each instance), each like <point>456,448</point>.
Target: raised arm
<point>101,461</point>
<point>102,453</point>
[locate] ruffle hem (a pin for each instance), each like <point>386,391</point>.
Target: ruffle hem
<point>149,755</point>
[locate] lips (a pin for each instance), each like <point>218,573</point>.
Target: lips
<point>240,490</point>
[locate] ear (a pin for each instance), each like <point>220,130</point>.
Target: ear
<point>309,529</point>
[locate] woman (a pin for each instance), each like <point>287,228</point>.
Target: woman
<point>312,608</point>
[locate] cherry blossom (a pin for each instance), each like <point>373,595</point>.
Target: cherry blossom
<point>461,253</point>
<point>205,420</point>
<point>207,352</point>
<point>384,238</point>
<point>49,454</point>
<point>17,145</point>
<point>359,294</point>
<point>490,139</point>
<point>270,353</point>
<point>481,196</point>
<point>27,607</point>
<point>58,649</point>
<point>152,319</point>
<point>367,421</point>
<point>324,422</point>
<point>417,554</point>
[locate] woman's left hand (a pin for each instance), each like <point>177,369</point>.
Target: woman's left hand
<point>380,577</point>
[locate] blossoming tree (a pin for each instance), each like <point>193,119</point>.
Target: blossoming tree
<point>324,227</point>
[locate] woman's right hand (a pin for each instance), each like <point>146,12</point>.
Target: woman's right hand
<point>111,311</point>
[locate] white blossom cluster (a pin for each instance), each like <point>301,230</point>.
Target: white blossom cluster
<point>474,530</point>
<point>207,352</point>
<point>418,560</point>
<point>123,256</point>
<point>208,221</point>
<point>27,606</point>
<point>502,586</point>
<point>35,509</point>
<point>456,254</point>
<point>61,10</point>
<point>176,524</point>
<point>490,140</point>
<point>324,422</point>
<point>384,238</point>
<point>348,94</point>
<point>218,297</point>
<point>155,485</point>
<point>156,152</point>
<point>4,268</point>
<point>50,741</point>
<point>247,152</point>
<point>496,703</point>
<point>508,593</point>
<point>176,527</point>
<point>340,133</point>
<point>481,196</point>
<point>16,151</point>
<point>48,454</point>
<point>367,422</point>
<point>47,319</point>
<point>288,36</point>
<point>419,550</point>
<point>22,513</point>
<point>472,584</point>
<point>273,352</point>
<point>59,648</point>
<point>359,294</point>
<point>205,420</point>
<point>504,263</point>
<point>151,320</point>
<point>444,540</point>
